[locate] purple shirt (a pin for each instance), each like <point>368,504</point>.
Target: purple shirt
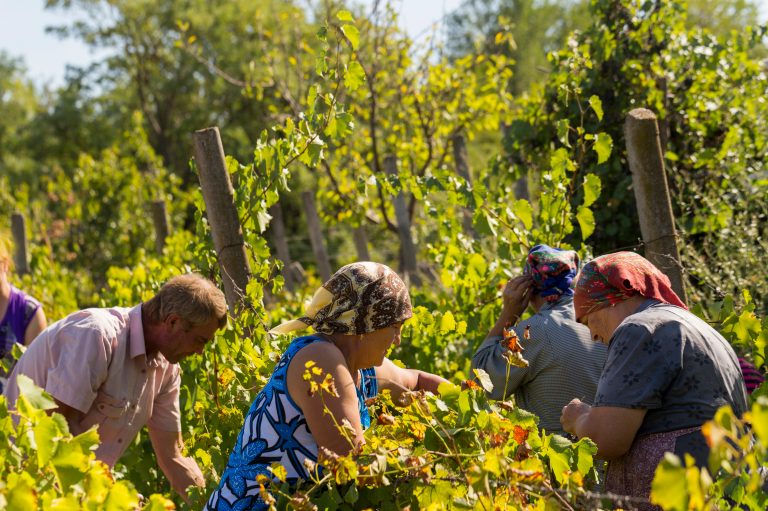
<point>21,310</point>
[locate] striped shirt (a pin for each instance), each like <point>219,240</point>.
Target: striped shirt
<point>564,363</point>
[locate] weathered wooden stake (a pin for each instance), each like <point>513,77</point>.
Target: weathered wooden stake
<point>361,244</point>
<point>462,169</point>
<point>19,233</point>
<point>521,185</point>
<point>654,207</point>
<point>222,214</point>
<point>160,219</point>
<point>404,227</point>
<point>281,244</point>
<point>316,235</point>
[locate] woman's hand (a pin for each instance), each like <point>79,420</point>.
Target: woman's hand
<point>612,429</point>
<point>516,296</point>
<point>571,414</point>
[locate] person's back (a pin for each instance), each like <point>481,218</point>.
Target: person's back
<point>562,360</point>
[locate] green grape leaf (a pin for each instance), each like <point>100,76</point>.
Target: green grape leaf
<point>602,146</point>
<point>523,210</point>
<point>759,419</point>
<point>592,187</point>
<point>484,379</point>
<point>586,449</point>
<point>355,76</point>
<point>485,223</point>
<point>669,488</point>
<point>345,16</point>
<point>35,396</point>
<point>20,492</point>
<point>586,221</point>
<point>352,34</point>
<point>560,162</point>
<point>157,503</point>
<point>47,434</point>
<point>447,323</point>
<point>122,497</point>
<point>597,106</point>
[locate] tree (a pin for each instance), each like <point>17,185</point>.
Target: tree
<point>524,30</point>
<point>155,66</point>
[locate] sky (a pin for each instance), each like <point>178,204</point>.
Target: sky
<point>23,22</point>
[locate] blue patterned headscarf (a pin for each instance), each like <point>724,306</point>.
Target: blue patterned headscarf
<point>552,271</point>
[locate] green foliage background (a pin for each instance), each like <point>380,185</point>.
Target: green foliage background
<point>317,99</point>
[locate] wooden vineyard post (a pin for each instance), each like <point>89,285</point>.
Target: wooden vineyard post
<point>316,235</point>
<point>404,227</point>
<point>654,207</point>
<point>19,233</point>
<point>222,214</point>
<point>281,244</point>
<point>462,169</point>
<point>160,219</point>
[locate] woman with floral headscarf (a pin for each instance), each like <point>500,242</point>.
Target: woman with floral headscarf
<point>667,372</point>
<point>357,316</point>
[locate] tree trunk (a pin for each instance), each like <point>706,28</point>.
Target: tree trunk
<point>316,235</point>
<point>281,244</point>
<point>407,247</point>
<point>361,244</point>
<point>462,169</point>
<point>160,219</point>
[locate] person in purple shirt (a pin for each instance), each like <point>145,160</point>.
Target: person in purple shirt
<point>21,316</point>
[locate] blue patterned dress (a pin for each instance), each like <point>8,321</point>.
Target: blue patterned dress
<point>275,430</point>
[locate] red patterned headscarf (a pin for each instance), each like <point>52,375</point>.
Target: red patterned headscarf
<point>613,278</point>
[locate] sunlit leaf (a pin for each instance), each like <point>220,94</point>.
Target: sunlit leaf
<point>602,146</point>
<point>597,106</point>
<point>352,34</point>
<point>592,186</point>
<point>586,221</point>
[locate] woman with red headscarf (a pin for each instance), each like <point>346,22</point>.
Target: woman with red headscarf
<point>667,372</point>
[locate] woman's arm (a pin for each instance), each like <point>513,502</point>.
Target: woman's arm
<point>400,380</point>
<point>36,325</point>
<point>613,429</point>
<point>326,412</point>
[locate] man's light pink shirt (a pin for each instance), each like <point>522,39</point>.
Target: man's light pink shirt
<point>95,361</point>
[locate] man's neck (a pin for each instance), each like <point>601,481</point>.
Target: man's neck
<point>150,335</point>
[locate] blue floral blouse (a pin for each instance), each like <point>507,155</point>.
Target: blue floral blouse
<point>275,430</point>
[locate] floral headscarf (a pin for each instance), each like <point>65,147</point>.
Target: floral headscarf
<point>552,271</point>
<point>357,299</point>
<point>613,278</point>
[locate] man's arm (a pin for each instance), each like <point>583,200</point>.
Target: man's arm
<point>400,380</point>
<point>613,429</point>
<point>180,470</point>
<point>73,416</point>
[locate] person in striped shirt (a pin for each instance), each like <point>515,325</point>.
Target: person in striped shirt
<point>752,377</point>
<point>563,361</point>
